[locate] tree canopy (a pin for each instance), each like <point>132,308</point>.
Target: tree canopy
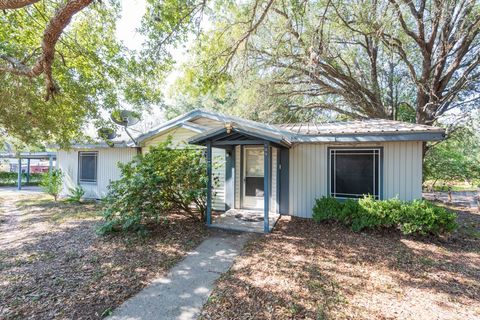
<point>57,78</point>
<point>362,58</point>
<point>267,59</point>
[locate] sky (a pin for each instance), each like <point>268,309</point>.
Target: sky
<point>127,26</point>
<point>132,13</point>
<point>131,17</point>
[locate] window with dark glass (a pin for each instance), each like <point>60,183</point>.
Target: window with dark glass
<point>354,173</point>
<point>87,167</point>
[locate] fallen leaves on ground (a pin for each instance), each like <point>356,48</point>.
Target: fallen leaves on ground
<point>305,270</point>
<point>56,266</point>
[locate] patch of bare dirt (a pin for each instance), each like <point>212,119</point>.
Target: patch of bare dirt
<point>53,264</point>
<point>305,270</point>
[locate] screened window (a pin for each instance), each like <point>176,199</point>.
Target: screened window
<point>87,167</point>
<point>354,173</point>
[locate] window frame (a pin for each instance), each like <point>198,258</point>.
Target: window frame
<point>79,179</point>
<point>378,170</point>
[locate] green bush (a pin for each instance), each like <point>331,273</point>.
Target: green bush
<point>52,183</point>
<point>75,194</point>
<point>11,178</point>
<point>154,185</point>
<point>415,217</point>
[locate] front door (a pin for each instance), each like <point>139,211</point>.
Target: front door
<point>253,173</point>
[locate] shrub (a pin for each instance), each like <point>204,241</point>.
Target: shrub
<point>326,208</point>
<point>75,194</point>
<point>154,185</point>
<point>52,183</point>
<point>11,178</point>
<point>415,217</point>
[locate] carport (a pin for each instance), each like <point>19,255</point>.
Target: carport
<point>50,156</point>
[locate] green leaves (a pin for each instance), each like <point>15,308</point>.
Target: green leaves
<point>414,217</point>
<point>155,185</point>
<point>52,183</point>
<point>94,72</point>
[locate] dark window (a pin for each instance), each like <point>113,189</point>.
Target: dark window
<point>354,173</point>
<point>254,186</point>
<point>87,167</point>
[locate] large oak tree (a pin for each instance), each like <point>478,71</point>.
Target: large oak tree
<point>360,58</point>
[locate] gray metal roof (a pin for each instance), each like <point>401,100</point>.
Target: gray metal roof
<point>371,126</point>
<point>196,114</point>
<point>269,135</point>
<point>341,131</point>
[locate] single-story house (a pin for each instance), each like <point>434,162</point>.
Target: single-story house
<point>273,169</point>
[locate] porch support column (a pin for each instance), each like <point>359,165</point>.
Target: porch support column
<point>266,186</point>
<point>50,164</point>
<point>209,183</point>
<point>19,177</point>
<point>28,170</point>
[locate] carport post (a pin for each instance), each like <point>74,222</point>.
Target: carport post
<point>50,164</point>
<point>28,170</point>
<point>266,189</point>
<point>209,183</point>
<point>19,177</point>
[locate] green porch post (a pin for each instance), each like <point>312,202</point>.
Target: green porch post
<point>50,164</point>
<point>266,188</point>
<point>28,170</point>
<point>209,183</point>
<point>19,178</point>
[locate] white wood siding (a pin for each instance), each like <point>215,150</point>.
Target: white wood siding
<point>308,165</point>
<point>238,177</point>
<point>107,169</point>
<point>273,185</point>
<point>402,170</point>
<point>179,138</point>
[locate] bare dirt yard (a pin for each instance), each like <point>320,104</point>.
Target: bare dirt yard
<point>53,264</point>
<point>305,270</point>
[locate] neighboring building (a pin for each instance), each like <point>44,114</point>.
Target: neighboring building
<point>296,163</point>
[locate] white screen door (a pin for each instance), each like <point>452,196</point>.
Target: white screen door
<point>253,174</point>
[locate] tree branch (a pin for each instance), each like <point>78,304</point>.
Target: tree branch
<point>51,35</point>
<point>15,4</point>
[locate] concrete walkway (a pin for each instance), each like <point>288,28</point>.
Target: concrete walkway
<point>182,293</point>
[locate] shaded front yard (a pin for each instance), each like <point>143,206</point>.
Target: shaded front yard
<point>305,270</point>
<point>54,265</point>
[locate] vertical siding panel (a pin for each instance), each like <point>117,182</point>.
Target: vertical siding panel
<point>295,180</point>
<point>237,175</point>
<point>386,179</point>
<point>306,186</point>
<point>402,169</point>
<point>396,171</point>
<point>410,171</point>
<point>308,180</point>
<point>323,166</point>
<point>311,190</point>
<point>418,177</point>
<point>389,162</point>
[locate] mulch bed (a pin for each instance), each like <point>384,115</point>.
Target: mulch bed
<point>62,269</point>
<point>305,270</point>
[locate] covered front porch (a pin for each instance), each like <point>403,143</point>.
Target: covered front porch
<point>244,220</point>
<point>256,177</point>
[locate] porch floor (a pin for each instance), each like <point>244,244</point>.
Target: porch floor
<point>243,220</point>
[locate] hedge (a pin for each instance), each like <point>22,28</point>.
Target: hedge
<point>411,217</point>
<point>10,178</point>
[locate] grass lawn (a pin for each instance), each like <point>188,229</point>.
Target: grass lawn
<point>305,270</point>
<point>53,265</point>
